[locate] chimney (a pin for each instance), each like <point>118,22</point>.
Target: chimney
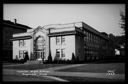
<point>15,21</point>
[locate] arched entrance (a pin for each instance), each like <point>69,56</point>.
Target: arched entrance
<point>40,48</point>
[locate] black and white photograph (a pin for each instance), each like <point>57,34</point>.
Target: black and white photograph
<point>63,43</point>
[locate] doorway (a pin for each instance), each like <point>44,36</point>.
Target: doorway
<point>40,54</point>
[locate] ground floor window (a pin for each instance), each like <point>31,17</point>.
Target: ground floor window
<point>57,54</point>
<point>62,52</point>
<point>22,54</point>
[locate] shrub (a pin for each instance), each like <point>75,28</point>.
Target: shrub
<point>73,58</point>
<point>49,58</point>
<point>26,57</point>
<point>22,61</point>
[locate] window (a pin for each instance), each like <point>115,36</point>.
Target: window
<point>63,39</point>
<point>39,46</point>
<point>58,52</point>
<point>87,34</point>
<point>58,40</point>
<point>62,52</point>
<point>57,56</point>
<point>21,54</point>
<point>40,43</point>
<point>94,38</point>
<point>24,53</point>
<point>21,43</point>
<point>84,32</point>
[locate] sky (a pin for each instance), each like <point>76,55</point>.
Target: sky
<point>102,17</point>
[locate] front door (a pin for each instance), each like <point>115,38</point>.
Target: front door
<point>39,55</point>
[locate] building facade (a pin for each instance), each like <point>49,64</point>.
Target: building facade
<point>61,41</point>
<point>10,28</point>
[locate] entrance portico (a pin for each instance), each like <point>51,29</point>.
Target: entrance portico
<point>40,44</point>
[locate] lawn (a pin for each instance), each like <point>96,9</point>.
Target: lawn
<point>33,66</point>
<point>87,79</point>
<point>98,68</point>
<point>21,78</point>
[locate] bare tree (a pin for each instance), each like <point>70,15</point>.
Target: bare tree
<point>122,21</point>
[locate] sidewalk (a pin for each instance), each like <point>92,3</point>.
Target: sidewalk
<point>63,67</point>
<point>87,74</point>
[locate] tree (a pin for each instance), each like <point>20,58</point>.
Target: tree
<point>122,21</point>
<point>49,57</point>
<point>73,58</point>
<point>26,57</point>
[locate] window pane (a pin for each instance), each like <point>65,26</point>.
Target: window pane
<point>21,43</point>
<point>58,52</point>
<point>62,52</point>
<point>63,39</point>
<point>57,40</point>
<point>21,54</point>
<point>40,43</point>
<point>24,53</point>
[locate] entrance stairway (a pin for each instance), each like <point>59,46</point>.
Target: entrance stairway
<point>34,62</point>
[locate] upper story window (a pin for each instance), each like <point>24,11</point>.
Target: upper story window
<point>84,32</point>
<point>58,39</point>
<point>63,39</point>
<point>21,43</point>
<point>87,34</point>
<point>40,44</point>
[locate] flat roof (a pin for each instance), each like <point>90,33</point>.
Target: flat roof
<point>75,24</point>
